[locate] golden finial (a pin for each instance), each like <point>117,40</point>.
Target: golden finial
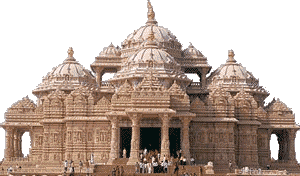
<point>70,55</point>
<point>70,52</point>
<point>151,14</point>
<point>231,57</point>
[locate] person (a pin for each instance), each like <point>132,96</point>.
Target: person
<point>87,164</point>
<point>124,153</point>
<point>230,166</point>
<point>181,160</point>
<point>137,166</point>
<point>92,158</point>
<point>150,168</point>
<point>113,172</point>
<point>121,171</point>
<point>72,167</point>
<point>141,167</point>
<point>164,158</point>
<point>200,170</point>
<point>17,167</point>
<point>145,152</point>
<point>192,161</point>
<point>165,166</point>
<point>80,166</point>
<point>155,165</point>
<point>268,167</point>
<point>176,169</point>
<point>117,171</point>
<point>158,156</point>
<point>184,160</point>
<point>65,166</point>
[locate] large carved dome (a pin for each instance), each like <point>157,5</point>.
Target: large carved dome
<point>151,60</point>
<point>66,76</point>
<point>163,36</point>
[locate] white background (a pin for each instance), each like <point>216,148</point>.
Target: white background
<point>35,37</point>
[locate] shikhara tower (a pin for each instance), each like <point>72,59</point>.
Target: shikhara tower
<point>222,118</point>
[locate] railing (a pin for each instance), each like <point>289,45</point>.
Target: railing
<point>259,172</point>
<point>196,86</point>
<point>106,84</point>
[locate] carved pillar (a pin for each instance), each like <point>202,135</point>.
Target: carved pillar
<point>165,142</point>
<point>99,75</point>
<point>135,139</point>
<point>203,76</point>
<point>16,143</point>
<point>8,143</point>
<point>291,144</point>
<point>185,135</point>
<point>114,147</point>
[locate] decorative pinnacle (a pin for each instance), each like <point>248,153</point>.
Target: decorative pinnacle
<point>151,14</point>
<point>151,40</point>
<point>231,57</point>
<point>70,55</point>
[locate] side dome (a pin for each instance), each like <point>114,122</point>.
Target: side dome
<point>151,60</point>
<point>66,76</point>
<point>233,77</point>
<point>232,69</point>
<point>110,51</point>
<point>164,37</point>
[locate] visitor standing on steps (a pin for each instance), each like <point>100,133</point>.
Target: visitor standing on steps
<point>137,167</point>
<point>65,166</point>
<point>87,164</point>
<point>80,166</point>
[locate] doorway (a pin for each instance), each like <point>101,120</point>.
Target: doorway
<point>125,140</point>
<point>174,136</point>
<point>150,138</point>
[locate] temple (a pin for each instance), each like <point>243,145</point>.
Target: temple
<point>150,103</point>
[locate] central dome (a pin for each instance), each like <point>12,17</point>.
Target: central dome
<point>163,36</point>
<point>151,60</point>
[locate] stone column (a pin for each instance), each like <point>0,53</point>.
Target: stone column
<point>114,147</point>
<point>165,142</point>
<point>8,143</point>
<point>185,135</point>
<point>16,131</point>
<point>99,75</point>
<point>203,76</point>
<point>135,139</point>
<point>291,138</point>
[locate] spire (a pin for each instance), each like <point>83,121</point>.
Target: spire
<point>70,55</point>
<point>151,14</point>
<point>231,57</point>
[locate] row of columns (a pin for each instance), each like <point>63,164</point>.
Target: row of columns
<point>13,142</point>
<point>135,139</point>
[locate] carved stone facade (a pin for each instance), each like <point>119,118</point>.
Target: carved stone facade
<point>221,119</point>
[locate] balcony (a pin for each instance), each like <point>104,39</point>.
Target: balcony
<point>107,87</point>
<point>196,88</point>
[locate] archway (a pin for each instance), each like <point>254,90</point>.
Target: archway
<point>26,144</point>
<point>106,76</point>
<point>193,76</point>
<point>274,147</point>
<point>283,143</point>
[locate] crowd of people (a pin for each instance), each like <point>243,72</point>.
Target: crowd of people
<point>153,162</point>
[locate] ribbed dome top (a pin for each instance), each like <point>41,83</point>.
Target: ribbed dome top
<point>110,51</point>
<point>153,54</point>
<point>232,69</point>
<point>66,76</point>
<point>164,37</point>
<point>192,52</point>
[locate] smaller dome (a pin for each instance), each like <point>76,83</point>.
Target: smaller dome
<point>110,51</point>
<point>66,76</point>
<point>192,52</point>
<point>232,69</point>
